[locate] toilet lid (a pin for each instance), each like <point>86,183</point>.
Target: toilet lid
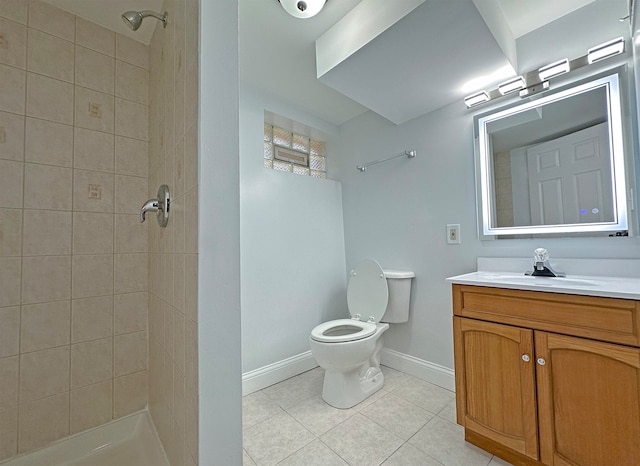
<point>368,293</point>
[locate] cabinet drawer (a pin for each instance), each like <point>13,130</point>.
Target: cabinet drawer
<point>607,319</point>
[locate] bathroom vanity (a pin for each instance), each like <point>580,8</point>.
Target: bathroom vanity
<point>549,372</point>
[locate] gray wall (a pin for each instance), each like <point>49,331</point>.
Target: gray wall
<point>292,243</point>
<point>397,213</point>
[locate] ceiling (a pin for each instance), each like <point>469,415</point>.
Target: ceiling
<point>277,53</point>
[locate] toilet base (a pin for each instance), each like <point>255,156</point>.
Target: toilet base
<point>346,389</point>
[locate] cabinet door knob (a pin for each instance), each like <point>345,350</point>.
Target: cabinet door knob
<point>526,358</point>
<point>541,361</point>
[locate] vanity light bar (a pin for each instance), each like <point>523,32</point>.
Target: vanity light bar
<point>554,69</point>
<point>606,50</point>
<point>538,80</point>
<point>512,85</point>
<point>476,99</point>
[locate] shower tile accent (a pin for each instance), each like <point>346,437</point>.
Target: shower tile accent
<point>13,43</point>
<point>94,110</point>
<point>58,225</point>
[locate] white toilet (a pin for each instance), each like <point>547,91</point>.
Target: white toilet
<point>349,349</point>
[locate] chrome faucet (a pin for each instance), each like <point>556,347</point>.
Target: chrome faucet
<point>541,266</point>
<point>161,206</point>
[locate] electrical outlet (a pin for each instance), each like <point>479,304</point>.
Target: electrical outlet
<point>453,233</point>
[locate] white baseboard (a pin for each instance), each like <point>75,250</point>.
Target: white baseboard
<point>425,370</point>
<point>265,376</point>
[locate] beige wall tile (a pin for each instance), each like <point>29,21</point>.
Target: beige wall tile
<point>14,38</point>
<point>131,235</point>
<point>132,82</point>
<point>9,331</point>
<point>93,150</point>
<point>91,362</point>
<point>131,156</point>
<point>13,89</point>
<point>91,318</point>
<point>95,37</point>
<point>49,143</point>
<point>53,20</point>
<point>132,119</point>
<point>191,97</point>
<point>49,99</point>
<point>10,232</point>
<point>47,187</point>
<point>8,422</point>
<point>131,273</point>
<point>12,136</point>
<point>132,51</point>
<point>95,70</point>
<point>44,373</point>
<point>92,275</point>
<point>50,56</point>
<point>15,10</point>
<point>8,383</point>
<point>191,158</point>
<point>130,312</point>
<point>130,393</point>
<point>92,233</point>
<point>94,110</point>
<point>43,421</point>
<point>178,282</point>
<point>46,278</point>
<point>192,29</point>
<point>45,326</point>
<point>93,191</point>
<point>131,193</point>
<point>191,222</point>
<point>191,287</point>
<point>179,349</point>
<point>130,353</point>
<point>91,406</point>
<point>46,233</point>
<point>10,273</point>
<point>177,213</point>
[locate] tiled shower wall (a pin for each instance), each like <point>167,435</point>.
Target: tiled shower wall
<point>73,254</point>
<point>173,251</point>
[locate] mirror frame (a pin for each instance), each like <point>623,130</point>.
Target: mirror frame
<point>485,196</point>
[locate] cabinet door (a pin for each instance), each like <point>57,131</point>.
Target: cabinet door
<point>495,386</point>
<point>588,401</point>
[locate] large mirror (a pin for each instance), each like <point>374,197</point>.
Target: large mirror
<point>554,164</point>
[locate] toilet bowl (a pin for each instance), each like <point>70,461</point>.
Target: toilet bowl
<point>349,349</point>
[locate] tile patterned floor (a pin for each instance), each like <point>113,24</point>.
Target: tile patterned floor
<point>409,422</point>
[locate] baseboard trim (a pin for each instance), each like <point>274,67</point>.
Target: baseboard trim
<point>265,376</point>
<point>425,370</point>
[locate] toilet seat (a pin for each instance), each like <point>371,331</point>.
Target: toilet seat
<point>343,330</point>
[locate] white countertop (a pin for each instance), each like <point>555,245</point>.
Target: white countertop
<point>626,285</point>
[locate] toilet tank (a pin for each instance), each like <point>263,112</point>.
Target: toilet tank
<point>399,284</point>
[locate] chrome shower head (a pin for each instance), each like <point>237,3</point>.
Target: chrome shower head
<point>133,19</point>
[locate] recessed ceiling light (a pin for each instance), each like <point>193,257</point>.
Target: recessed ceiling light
<point>302,8</point>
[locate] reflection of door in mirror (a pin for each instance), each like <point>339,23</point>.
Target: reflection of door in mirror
<point>570,179</point>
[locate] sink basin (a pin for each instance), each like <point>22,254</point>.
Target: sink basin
<point>537,281</point>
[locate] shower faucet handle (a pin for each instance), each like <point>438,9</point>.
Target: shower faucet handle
<point>161,206</point>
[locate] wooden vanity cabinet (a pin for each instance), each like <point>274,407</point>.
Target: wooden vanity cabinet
<point>548,378</point>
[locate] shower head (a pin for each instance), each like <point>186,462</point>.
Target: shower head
<point>133,19</point>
